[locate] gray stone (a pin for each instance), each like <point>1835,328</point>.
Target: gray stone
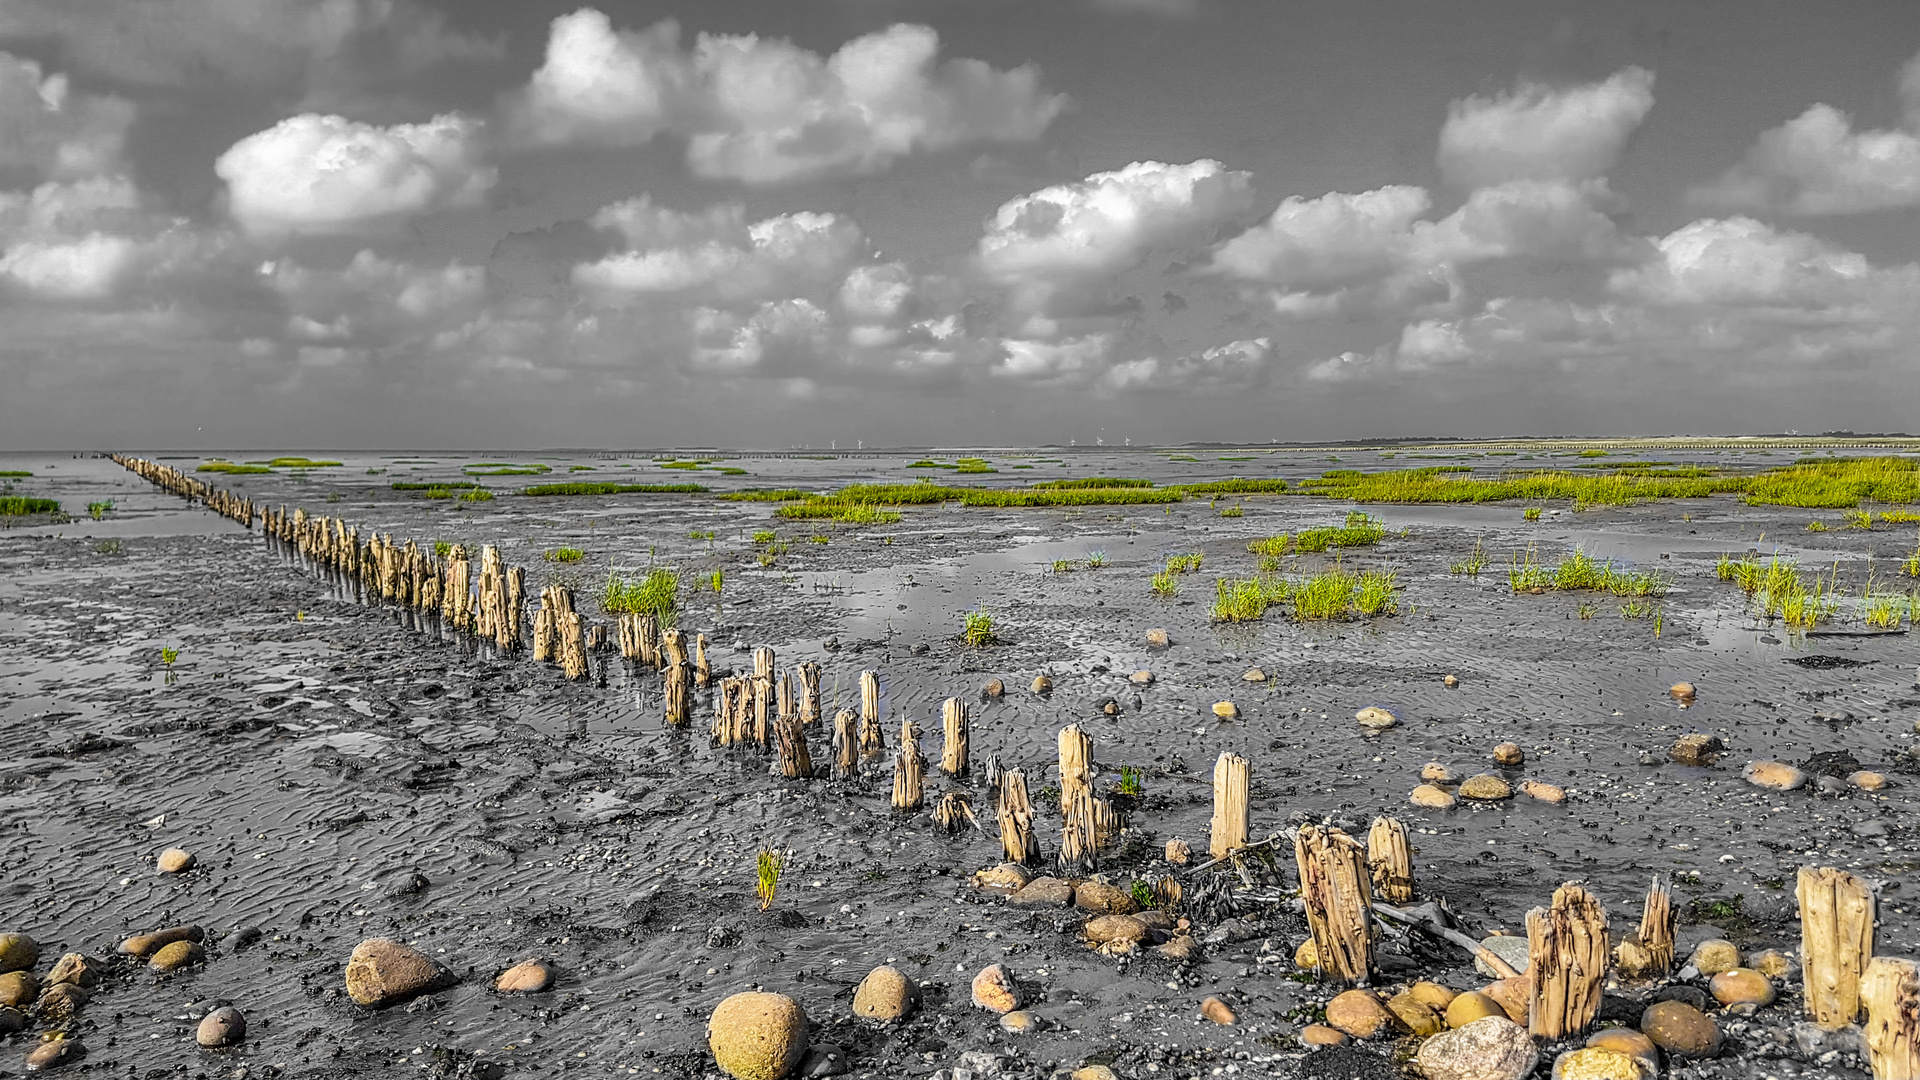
<point>1507,947</point>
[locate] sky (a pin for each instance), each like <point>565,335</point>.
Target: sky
<point>773,223</point>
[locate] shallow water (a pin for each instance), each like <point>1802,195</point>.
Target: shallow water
<point>314,750</point>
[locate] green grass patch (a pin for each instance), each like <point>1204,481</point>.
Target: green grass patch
<point>1244,486</point>
<point>655,593</point>
<point>850,513</point>
<point>1184,563</point>
<point>564,555</point>
<point>409,485</point>
<point>508,470</point>
<point>1360,530</point>
<point>1271,546</point>
<point>1165,583</point>
<point>977,629</point>
<point>1093,482</point>
<point>14,474</point>
<point>217,466</point>
<point>1581,572</point>
<point>606,488</point>
<point>477,495</point>
<point>768,495</point>
<point>297,463</point>
<point>21,505</point>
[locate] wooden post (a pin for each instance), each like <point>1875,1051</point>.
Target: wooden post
<point>516,607</point>
<point>1079,837</point>
<point>1567,947</point>
<point>1016,820</point>
<point>544,634</point>
<point>953,811</point>
<point>908,767</point>
<point>1647,953</point>
<point>1390,861</point>
<point>1890,989</point>
<point>1836,941</point>
<point>573,645</point>
<point>1230,804</point>
<point>869,697</point>
<point>702,671</point>
<point>809,693</point>
<point>647,631</point>
<point>873,738</point>
<point>678,712</point>
<point>953,755</point>
<point>784,705</point>
<point>1334,885</point>
<point>846,744</point>
<point>674,644</point>
<point>795,764</point>
<point>723,714</point>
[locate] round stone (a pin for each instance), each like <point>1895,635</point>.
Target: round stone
<point>1359,1014</point>
<point>1741,986</point>
<point>1598,1063</point>
<point>994,990</point>
<point>178,955</point>
<point>1319,1035</point>
<point>526,977</point>
<point>1681,692</point>
<point>1774,964</point>
<point>756,1036</point>
<point>1485,787</point>
<point>1867,780</point>
<point>382,972</point>
<point>1435,773</point>
<point>1217,1011</point>
<point>1020,1022</point>
<point>1492,1048</point>
<point>1376,718</point>
<point>175,861</point>
<point>221,1027</point>
<point>1431,797</point>
<point>1715,955</point>
<point>1225,710</point>
<point>1473,1005</point>
<point>1509,754</point>
<point>1775,775</point>
<point>885,995</point>
<point>1541,791</point>
<point>18,952</point>
<point>1679,1028</point>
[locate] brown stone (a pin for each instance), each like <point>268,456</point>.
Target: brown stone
<point>59,1002</point>
<point>1319,1035</point>
<point>1359,1014</point>
<point>1254,675</point>
<point>175,861</point>
<point>525,977</point>
<point>994,989</point>
<point>1450,681</point>
<point>1431,797</point>
<point>1485,787</point>
<point>1093,1072</point>
<point>1415,1015</point>
<point>1867,780</point>
<point>382,971</point>
<point>1179,947</point>
<point>1020,1022</point>
<point>1696,749</point>
<point>1626,1041</point>
<point>1217,1011</point>
<point>1776,775</point>
<point>1432,994</point>
<point>1004,879</point>
<point>54,1053</point>
<point>1679,1028</point>
<point>1473,1005</point>
<point>1225,710</point>
<point>1178,852</point>
<point>1043,892</point>
<point>146,944</point>
<point>18,952</point>
<point>994,688</point>
<point>885,995</point>
<point>1681,692</point>
<point>1158,639</point>
<point>18,988</point>
<point>1042,684</point>
<point>1143,677</point>
<point>177,955</point>
<point>1435,773</point>
<point>1375,718</point>
<point>755,1036</point>
<point>1541,791</point>
<point>221,1027</point>
<point>1509,754</point>
<point>1111,929</point>
<point>1740,986</point>
<point>1715,956</point>
<point>1599,1063</point>
<point>1774,964</point>
<point>77,968</point>
<point>1099,897</point>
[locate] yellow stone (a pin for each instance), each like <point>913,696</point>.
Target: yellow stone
<point>1432,994</point>
<point>1431,797</point>
<point>1741,985</point>
<point>1473,1005</point>
<point>1595,1063</point>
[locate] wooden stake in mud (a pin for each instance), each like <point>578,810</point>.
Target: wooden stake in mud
<point>846,744</point>
<point>647,639</point>
<point>1390,861</point>
<point>678,710</point>
<point>1335,887</point>
<point>702,671</point>
<point>1079,831</point>
<point>516,606</point>
<point>908,768</point>
<point>953,811</point>
<point>1647,953</point>
<point>1230,804</point>
<point>809,693</point>
<point>1836,942</point>
<point>953,755</point>
<point>1890,989</point>
<point>795,764</point>
<point>762,689</point>
<point>573,646</point>
<point>545,634</point>
<point>870,696</point>
<point>673,645</point>
<point>784,704</point>
<point>725,723</point>
<point>1567,946</point>
<point>1016,820</point>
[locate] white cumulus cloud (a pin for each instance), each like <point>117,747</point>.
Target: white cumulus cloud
<point>54,132</point>
<point>1541,133</point>
<point>327,174</point>
<point>719,255</point>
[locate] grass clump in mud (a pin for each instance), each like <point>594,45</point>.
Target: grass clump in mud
<point>1235,487</point>
<point>297,463</point>
<point>564,555</point>
<point>1270,546</point>
<point>768,495</point>
<point>477,495</point>
<point>442,485</point>
<point>1165,583</point>
<point>977,629</point>
<point>21,505</point>
<point>98,511</point>
<point>230,468</point>
<point>1337,594</point>
<point>1093,482</point>
<point>1184,563</point>
<point>1581,572</point>
<point>1243,600</point>
<point>604,488</point>
<point>850,513</point>
<point>767,867</point>
<point>656,593</point>
<point>1471,566</point>
<point>1360,530</point>
<point>1233,512</point>
<point>15,474</point>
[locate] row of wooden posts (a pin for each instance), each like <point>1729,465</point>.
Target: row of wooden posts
<point>1340,878</point>
<point>190,487</point>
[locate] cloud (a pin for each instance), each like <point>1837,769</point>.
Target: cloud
<point>1075,238</point>
<point>1235,366</point>
<point>374,300</point>
<point>1540,133</point>
<point>1329,242</point>
<point>1817,164</point>
<point>327,174</point>
<point>93,240</point>
<point>1741,262</point>
<point>257,42</point>
<point>765,111</point>
<point>51,131</point>
<point>718,255</point>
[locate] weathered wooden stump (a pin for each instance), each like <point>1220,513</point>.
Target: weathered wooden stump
<point>1015,812</point>
<point>1390,861</point>
<point>908,769</point>
<point>1230,804</point>
<point>953,754</point>
<point>1836,942</point>
<point>1567,947</point>
<point>1890,990</point>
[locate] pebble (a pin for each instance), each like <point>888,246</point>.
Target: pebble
<point>1098,896</point>
<point>1043,892</point>
<point>1774,774</point>
<point>1217,1011</point>
<point>1307,956</point>
<point>1451,681</point>
<point>1359,1014</point>
<point>221,1027</point>
<point>18,988</point>
<point>1254,675</point>
<point>1696,749</point>
<point>1158,639</point>
<point>382,972</point>
<point>756,1036</point>
<point>1679,1028</point>
<point>54,1053</point>
<point>994,990</point>
<point>177,955</point>
<point>77,968</point>
<point>1435,773</point>
<point>1599,1063</point>
<point>1431,797</point>
<point>1006,878</point>
<point>59,1003</point>
<point>1485,787</point>
<point>1094,1072</point>
<point>1713,956</point>
<point>1318,1035</point>
<point>1741,986</point>
<point>1473,1005</point>
<point>1020,1022</point>
<point>145,944</point>
<point>18,952</point>
<point>1867,780</point>
<point>1682,692</point>
<point>175,861</point>
<point>1178,852</point>
<point>1376,718</point>
<point>1225,710</point>
<point>1492,1048</point>
<point>1180,948</point>
<point>1509,947</point>
<point>1042,684</point>
<point>526,977</point>
<point>1509,754</point>
<point>885,995</point>
<point>1143,677</point>
<point>1121,929</point>
<point>994,688</point>
<point>1541,791</point>
<point>1110,707</point>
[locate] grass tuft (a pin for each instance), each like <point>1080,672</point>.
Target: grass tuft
<point>564,555</point>
<point>656,593</point>
<point>604,488</point>
<point>978,629</point>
